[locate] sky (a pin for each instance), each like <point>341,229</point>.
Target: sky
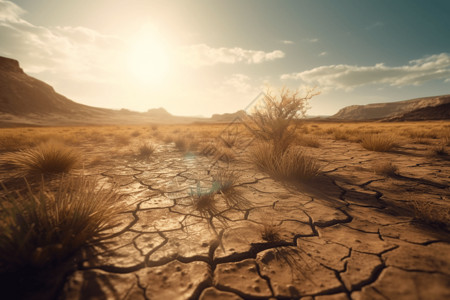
<point>201,57</point>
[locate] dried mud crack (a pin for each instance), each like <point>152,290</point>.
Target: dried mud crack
<point>347,235</point>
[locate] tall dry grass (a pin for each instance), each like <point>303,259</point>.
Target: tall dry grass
<point>429,212</point>
<point>292,164</point>
<point>44,227</point>
<point>274,124</point>
<point>378,142</point>
<point>46,158</point>
<point>386,169</point>
<point>145,149</point>
<point>182,143</point>
<point>224,183</point>
<point>276,119</point>
<point>307,141</point>
<point>203,201</point>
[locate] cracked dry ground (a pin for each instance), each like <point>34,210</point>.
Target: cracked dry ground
<point>344,235</point>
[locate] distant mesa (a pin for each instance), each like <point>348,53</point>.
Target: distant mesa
<point>438,112</point>
<point>9,65</point>
<point>428,108</point>
<point>27,101</point>
<point>161,112</point>
<point>228,117</point>
<point>24,95</point>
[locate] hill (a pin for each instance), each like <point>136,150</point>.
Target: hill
<point>27,101</point>
<point>379,111</point>
<point>438,112</point>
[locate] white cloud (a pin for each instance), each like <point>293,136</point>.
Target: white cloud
<point>323,53</point>
<point>204,55</point>
<point>76,52</point>
<point>311,40</point>
<point>287,42</point>
<point>10,12</point>
<point>239,82</point>
<point>348,77</point>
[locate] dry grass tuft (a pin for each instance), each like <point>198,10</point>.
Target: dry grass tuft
<point>429,212</point>
<point>422,141</point>
<point>96,137</point>
<point>439,150</point>
<point>386,169</point>
<point>292,164</point>
<point>307,141</point>
<point>224,182</point>
<point>378,142</point>
<point>168,139</point>
<point>182,144</point>
<point>122,140</point>
<point>44,227</point>
<point>146,149</point>
<point>208,149</point>
<point>340,135</point>
<point>229,139</point>
<point>13,142</point>
<point>203,200</point>
<point>194,144</point>
<point>225,154</point>
<point>135,133</point>
<point>47,158</point>
<point>276,119</point>
<point>270,232</point>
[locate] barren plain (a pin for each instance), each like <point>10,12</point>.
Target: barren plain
<point>357,230</point>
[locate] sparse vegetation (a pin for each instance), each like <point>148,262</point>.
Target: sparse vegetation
<point>225,154</point>
<point>11,142</point>
<point>423,141</point>
<point>270,232</point>
<point>439,150</point>
<point>274,124</point>
<point>44,227</point>
<point>145,149</point>
<point>340,135</point>
<point>229,139</point>
<point>289,165</point>
<point>386,169</point>
<point>378,142</point>
<point>194,144</point>
<point>122,139</point>
<point>224,182</point>
<point>275,121</point>
<point>47,158</point>
<point>307,141</point>
<point>203,201</point>
<point>429,212</point>
<point>208,149</point>
<point>168,139</point>
<point>135,133</point>
<point>182,143</point>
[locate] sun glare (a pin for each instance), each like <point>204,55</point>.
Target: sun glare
<point>148,60</point>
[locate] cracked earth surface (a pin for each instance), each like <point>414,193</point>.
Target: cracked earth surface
<point>344,235</point>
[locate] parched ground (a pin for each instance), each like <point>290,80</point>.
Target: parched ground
<point>348,234</point>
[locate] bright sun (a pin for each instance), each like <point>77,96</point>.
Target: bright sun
<point>148,60</point>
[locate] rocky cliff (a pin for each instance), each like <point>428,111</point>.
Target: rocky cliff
<point>378,111</point>
<point>21,94</point>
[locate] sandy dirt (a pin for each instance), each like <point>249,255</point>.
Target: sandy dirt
<point>345,234</point>
<point>348,234</point>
